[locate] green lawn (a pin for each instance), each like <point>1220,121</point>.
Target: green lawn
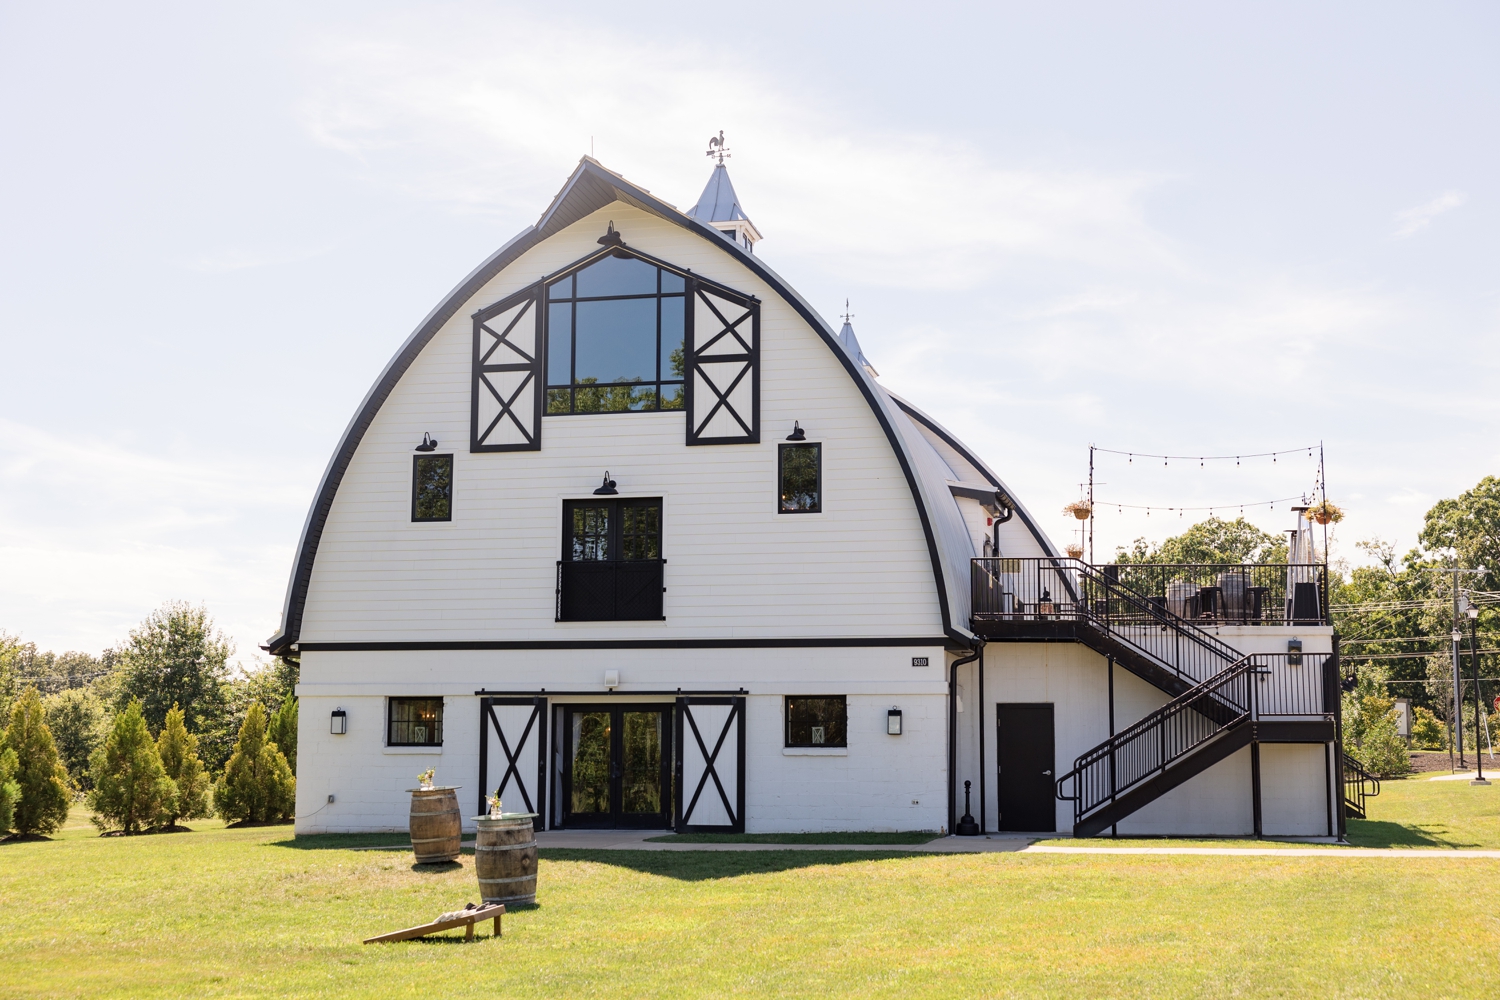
<point>241,913</point>
<point>1411,812</point>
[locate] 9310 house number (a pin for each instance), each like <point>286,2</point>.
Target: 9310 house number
<point>919,661</point>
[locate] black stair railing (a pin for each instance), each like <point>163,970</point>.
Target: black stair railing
<point>1033,589</point>
<point>1359,785</point>
<point>1168,734</point>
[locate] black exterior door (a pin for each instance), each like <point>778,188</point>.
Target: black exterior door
<point>617,766</point>
<point>1023,746</point>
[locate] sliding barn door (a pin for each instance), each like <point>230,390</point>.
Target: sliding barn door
<point>513,755</point>
<point>709,791</point>
<point>506,402</point>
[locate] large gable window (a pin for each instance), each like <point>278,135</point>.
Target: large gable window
<point>614,338</point>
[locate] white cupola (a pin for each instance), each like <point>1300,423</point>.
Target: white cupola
<point>719,206</point>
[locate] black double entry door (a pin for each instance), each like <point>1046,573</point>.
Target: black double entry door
<point>617,766</point>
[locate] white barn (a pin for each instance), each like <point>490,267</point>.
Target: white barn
<point>626,530</point>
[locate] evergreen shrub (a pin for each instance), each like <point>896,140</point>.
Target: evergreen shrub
<point>10,792</point>
<point>131,789</point>
<point>44,798</point>
<point>257,785</point>
<point>178,749</point>
<point>283,731</point>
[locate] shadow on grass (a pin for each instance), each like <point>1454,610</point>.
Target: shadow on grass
<point>342,841</point>
<point>1380,833</point>
<point>700,866</point>
<point>435,867</point>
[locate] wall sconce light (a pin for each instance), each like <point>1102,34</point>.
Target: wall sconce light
<point>429,443</point>
<point>611,678</point>
<point>607,488</point>
<point>1294,652</point>
<point>338,722</point>
<point>798,434</point>
<point>893,722</point>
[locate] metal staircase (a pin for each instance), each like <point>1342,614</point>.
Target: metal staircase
<point>1359,785</point>
<point>1222,700</point>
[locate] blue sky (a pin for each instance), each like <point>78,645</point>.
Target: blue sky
<point>1186,228</point>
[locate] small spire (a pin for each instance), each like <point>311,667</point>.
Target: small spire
<point>851,343</point>
<point>719,205</point>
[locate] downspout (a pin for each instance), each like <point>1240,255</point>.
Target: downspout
<point>978,648</point>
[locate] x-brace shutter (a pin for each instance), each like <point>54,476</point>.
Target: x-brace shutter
<point>507,397</point>
<point>722,348</point>
<point>700,770</point>
<point>513,740</point>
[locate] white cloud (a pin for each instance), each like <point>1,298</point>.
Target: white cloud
<point>441,116</point>
<point>94,534</point>
<point>1410,220</point>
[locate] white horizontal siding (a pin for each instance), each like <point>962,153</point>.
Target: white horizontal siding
<point>735,566</point>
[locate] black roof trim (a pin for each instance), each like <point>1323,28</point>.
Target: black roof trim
<point>742,643</point>
<point>596,188</point>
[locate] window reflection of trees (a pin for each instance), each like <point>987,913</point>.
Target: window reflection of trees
<point>642,785</point>
<point>591,734</point>
<point>615,336</point>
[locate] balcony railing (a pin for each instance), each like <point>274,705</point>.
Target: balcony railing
<point>610,591</point>
<point>1261,594</point>
<point>1199,593</point>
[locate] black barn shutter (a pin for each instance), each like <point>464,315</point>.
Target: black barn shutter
<point>508,391</point>
<point>723,366</point>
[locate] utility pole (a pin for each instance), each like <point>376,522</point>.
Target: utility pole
<point>1456,731</point>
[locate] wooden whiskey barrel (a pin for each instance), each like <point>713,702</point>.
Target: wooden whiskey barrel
<point>505,858</point>
<point>435,824</point>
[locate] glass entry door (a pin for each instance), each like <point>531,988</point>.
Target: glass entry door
<point>617,766</point>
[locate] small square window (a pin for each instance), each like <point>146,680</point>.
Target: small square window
<point>820,721</point>
<point>432,488</point>
<point>414,722</point>
<point>800,479</point>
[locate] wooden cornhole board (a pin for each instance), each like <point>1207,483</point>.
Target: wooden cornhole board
<point>464,918</point>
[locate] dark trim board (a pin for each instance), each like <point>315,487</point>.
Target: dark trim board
<point>398,647</point>
<point>596,187</point>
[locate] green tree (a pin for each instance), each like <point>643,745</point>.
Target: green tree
<point>44,800</point>
<point>10,791</point>
<point>1468,527</point>
<point>179,758</point>
<point>1213,540</point>
<point>79,720</point>
<point>283,731</point>
<point>175,657</point>
<point>1427,733</point>
<point>10,652</point>
<point>268,683</point>
<point>257,785</point>
<point>131,789</point>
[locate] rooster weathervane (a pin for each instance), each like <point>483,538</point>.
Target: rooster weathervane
<point>717,148</point>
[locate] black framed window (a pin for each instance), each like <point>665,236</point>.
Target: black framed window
<point>432,488</point>
<point>799,477</point>
<point>414,722</point>
<point>615,338</point>
<point>611,567</point>
<point>820,721</point>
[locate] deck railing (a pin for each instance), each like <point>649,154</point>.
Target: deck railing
<point>1258,594</point>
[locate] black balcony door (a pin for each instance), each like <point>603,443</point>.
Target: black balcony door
<point>1025,755</point>
<point>617,766</point>
<point>611,566</point>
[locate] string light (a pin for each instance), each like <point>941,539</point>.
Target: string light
<point>1130,455</point>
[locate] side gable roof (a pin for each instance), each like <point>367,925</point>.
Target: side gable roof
<point>590,188</point>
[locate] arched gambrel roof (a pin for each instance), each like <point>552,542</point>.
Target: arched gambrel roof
<point>590,188</point>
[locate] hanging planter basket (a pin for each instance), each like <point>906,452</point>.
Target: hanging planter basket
<point>1074,551</point>
<point>1079,509</point>
<point>1325,512</point>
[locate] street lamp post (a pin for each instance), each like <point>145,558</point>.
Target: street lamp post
<point>1474,661</point>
